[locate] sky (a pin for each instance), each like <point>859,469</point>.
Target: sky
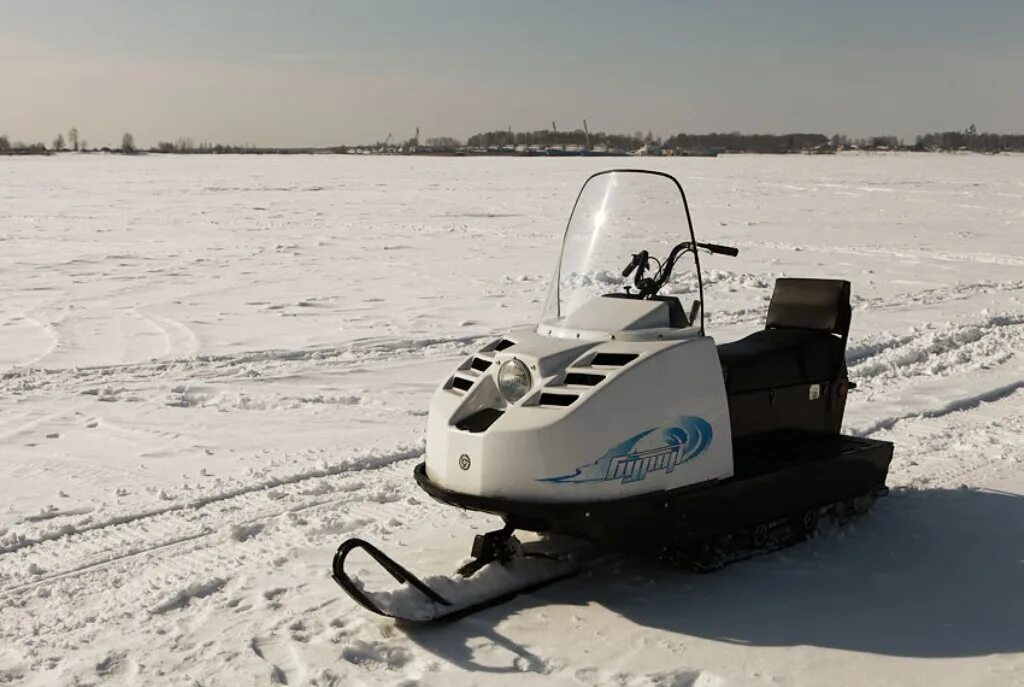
<point>318,72</point>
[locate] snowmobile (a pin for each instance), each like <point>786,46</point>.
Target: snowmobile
<point>619,423</point>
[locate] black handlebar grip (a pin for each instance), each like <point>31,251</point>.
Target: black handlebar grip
<point>639,260</point>
<point>721,250</point>
<point>631,266</point>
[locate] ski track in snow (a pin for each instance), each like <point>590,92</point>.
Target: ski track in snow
<point>222,500</point>
<point>198,368</point>
<point>222,578</point>
<point>199,539</point>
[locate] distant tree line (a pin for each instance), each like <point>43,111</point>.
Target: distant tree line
<point>966,140</point>
<point>844,142</point>
<point>186,146</point>
<point>548,138</point>
<point>683,142</point>
<point>73,142</point>
<point>7,147</point>
<point>971,140</point>
<point>747,143</point>
<point>443,143</point>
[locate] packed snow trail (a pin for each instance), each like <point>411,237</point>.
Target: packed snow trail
<point>208,384</point>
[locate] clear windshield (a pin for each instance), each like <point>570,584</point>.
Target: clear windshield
<point>617,215</point>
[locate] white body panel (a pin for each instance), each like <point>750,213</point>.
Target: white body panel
<point>659,422</point>
<point>615,319</point>
<point>618,314</point>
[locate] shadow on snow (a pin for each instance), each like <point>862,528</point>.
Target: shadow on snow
<point>930,574</point>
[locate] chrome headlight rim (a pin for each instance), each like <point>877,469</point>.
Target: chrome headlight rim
<point>514,380</point>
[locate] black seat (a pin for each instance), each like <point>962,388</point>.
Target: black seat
<point>804,340</point>
<point>775,358</point>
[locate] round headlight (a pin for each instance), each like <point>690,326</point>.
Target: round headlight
<point>513,380</point>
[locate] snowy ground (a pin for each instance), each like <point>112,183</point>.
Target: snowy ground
<point>214,369</point>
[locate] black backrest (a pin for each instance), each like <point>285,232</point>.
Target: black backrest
<point>818,304</point>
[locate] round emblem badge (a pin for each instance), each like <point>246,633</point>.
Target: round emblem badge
<point>464,462</point>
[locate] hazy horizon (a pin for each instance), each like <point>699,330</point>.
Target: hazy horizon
<point>321,73</point>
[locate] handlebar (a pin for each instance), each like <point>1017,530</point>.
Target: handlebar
<point>720,249</point>
<point>649,286</point>
<point>639,260</point>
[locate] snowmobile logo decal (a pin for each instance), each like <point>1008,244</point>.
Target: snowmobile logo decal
<point>658,448</point>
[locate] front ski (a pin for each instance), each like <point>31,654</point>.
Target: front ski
<point>500,568</point>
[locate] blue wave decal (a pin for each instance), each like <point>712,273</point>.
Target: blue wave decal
<point>658,448</point>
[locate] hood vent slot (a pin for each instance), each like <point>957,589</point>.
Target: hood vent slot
<point>480,365</point>
<point>479,421</point>
<point>583,379</point>
<point>461,383</point>
<point>613,359</point>
<point>503,344</point>
<point>558,400</point>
